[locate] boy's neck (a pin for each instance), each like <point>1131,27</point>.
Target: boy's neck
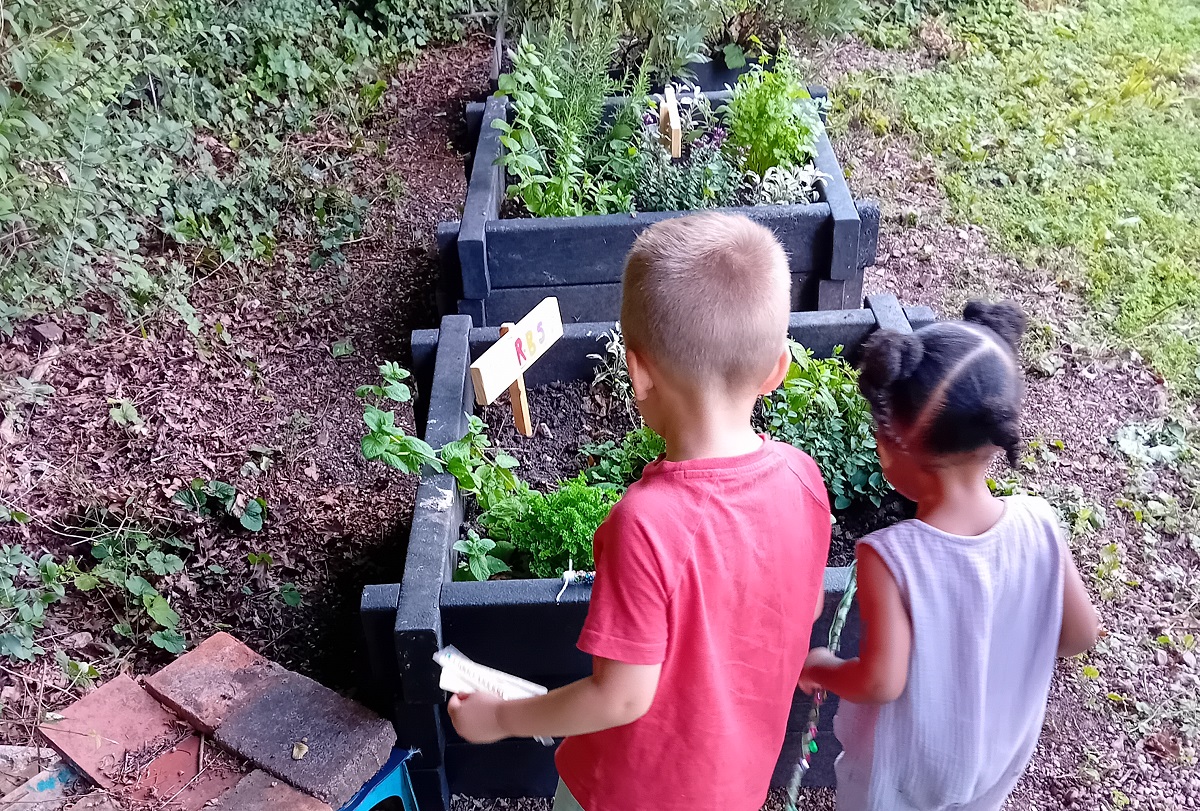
<point>704,431</point>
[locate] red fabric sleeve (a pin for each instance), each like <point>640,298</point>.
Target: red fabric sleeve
<point>627,618</point>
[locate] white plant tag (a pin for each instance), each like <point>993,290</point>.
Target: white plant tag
<point>461,675</point>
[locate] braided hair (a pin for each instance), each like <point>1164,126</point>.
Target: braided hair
<point>953,386</point>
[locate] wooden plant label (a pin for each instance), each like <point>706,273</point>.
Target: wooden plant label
<point>670,128</point>
<point>522,344</point>
<point>518,397</point>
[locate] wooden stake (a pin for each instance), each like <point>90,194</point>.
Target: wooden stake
<point>518,397</point>
<point>670,128</point>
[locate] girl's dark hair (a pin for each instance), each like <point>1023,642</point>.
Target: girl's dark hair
<point>955,383</point>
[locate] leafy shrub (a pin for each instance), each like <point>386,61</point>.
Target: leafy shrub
<point>556,529</point>
<point>620,464</point>
<point>772,117</point>
<point>121,124</point>
<point>819,410</point>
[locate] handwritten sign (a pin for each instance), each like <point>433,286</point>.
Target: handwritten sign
<point>525,342</point>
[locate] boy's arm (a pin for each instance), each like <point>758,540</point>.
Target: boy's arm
<point>614,695</point>
<point>880,672</point>
<point>1080,625</point>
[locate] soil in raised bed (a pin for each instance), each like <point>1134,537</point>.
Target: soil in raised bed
<point>568,416</point>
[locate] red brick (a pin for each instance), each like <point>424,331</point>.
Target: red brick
<point>98,730</point>
<point>209,682</point>
<point>177,774</point>
<point>259,791</point>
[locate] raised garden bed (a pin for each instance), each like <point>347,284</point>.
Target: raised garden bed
<point>516,625</point>
<point>496,269</point>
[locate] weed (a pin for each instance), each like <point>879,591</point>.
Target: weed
<point>27,588</point>
<point>291,595</point>
<point>217,498</point>
<point>124,414</point>
<point>128,559</point>
<point>79,674</point>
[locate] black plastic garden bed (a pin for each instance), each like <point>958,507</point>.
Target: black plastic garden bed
<point>496,270</point>
<point>516,625</point>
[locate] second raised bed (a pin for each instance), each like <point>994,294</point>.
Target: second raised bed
<point>495,270</point>
<point>516,625</point>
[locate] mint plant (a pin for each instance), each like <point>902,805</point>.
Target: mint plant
<point>819,410</point>
<point>480,470</point>
<point>479,562</point>
<point>620,464</point>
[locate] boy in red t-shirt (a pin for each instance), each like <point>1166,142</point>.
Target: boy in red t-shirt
<point>709,570</point>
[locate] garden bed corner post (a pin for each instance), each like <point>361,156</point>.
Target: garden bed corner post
<point>418,628</point>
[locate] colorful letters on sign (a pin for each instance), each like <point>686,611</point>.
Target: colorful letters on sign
<point>523,344</point>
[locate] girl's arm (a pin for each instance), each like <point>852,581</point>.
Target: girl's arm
<point>1080,625</point>
<point>880,672</point>
<point>614,695</point>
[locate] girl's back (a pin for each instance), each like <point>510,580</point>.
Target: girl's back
<point>986,613</point>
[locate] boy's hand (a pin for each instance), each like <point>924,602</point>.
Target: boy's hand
<point>476,717</point>
<point>815,666</point>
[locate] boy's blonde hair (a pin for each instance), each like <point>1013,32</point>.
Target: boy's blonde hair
<point>707,298</point>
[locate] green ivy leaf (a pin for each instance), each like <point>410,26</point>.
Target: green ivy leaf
<point>253,515</point>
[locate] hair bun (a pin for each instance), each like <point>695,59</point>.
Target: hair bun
<point>889,356</point>
<point>1004,318</point>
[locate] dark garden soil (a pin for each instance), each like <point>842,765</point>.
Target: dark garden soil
<point>566,417</point>
<point>259,384</point>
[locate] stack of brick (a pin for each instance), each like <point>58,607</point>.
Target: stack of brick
<point>281,740</point>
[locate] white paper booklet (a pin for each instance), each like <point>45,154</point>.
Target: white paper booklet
<point>461,675</point>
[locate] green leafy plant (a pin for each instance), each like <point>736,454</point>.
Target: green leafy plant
<point>393,388</point>
<point>555,151</point>
<point>291,595</point>
<point>79,674</point>
<point>10,513</point>
<point>772,117</point>
<point>27,588</point>
<point>479,562</point>
<point>819,410</point>
<point>218,498</point>
<point>556,529</point>
<point>479,469</point>
<point>128,559</point>
<point>620,464</point>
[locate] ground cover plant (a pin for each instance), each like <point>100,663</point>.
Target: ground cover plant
<point>142,145</point>
<point>564,158</point>
<point>1073,131</point>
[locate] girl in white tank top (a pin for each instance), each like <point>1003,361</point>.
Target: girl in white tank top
<point>964,608</point>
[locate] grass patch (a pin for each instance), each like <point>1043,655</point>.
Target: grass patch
<point>1074,131</point>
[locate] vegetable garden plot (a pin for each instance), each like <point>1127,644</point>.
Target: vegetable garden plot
<point>519,625</point>
<point>571,220</point>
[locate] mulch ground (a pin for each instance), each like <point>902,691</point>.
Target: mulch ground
<point>259,384</point>
<point>266,379</point>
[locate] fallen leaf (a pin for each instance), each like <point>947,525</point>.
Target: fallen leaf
<point>299,750</point>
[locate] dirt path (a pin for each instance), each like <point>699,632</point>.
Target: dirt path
<point>258,385</point>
